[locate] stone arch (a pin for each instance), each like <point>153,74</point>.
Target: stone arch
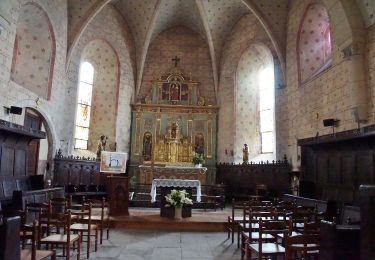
<point>52,137</point>
<point>101,54</point>
<point>346,19</point>
<point>247,128</point>
<point>119,37</point>
<point>34,51</point>
<point>314,48</point>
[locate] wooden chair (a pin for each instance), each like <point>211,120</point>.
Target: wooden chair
<point>83,225</point>
<point>31,233</point>
<point>264,248</point>
<point>304,245</point>
<point>233,220</point>
<point>311,228</point>
<point>298,218</point>
<point>250,228</point>
<point>9,240</point>
<point>60,205</point>
<point>265,212</point>
<point>61,221</point>
<point>100,215</point>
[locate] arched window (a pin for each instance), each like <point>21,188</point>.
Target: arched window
<point>266,109</point>
<point>314,46</point>
<point>254,105</point>
<point>86,79</point>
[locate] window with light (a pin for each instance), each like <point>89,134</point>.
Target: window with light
<point>86,78</point>
<point>266,109</point>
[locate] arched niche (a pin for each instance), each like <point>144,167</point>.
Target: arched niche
<point>199,143</point>
<point>248,106</point>
<point>104,104</point>
<point>147,146</point>
<point>34,51</point>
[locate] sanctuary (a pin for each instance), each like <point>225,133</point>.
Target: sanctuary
<point>171,124</point>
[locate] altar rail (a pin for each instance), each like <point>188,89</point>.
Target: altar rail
<point>241,179</point>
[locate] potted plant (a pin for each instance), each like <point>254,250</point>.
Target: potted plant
<point>198,159</point>
<point>178,198</point>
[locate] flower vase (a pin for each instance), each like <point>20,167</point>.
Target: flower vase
<point>199,165</point>
<point>178,213</point>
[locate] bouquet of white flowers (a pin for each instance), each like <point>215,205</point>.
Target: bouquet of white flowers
<point>178,198</point>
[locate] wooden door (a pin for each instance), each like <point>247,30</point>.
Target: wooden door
<point>34,122</point>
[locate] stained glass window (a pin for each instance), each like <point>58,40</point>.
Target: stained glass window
<point>86,78</point>
<point>266,109</point>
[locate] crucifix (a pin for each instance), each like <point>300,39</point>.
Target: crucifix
<point>176,60</point>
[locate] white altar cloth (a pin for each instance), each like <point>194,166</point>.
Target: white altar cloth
<point>178,183</point>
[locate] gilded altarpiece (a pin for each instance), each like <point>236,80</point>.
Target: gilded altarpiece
<point>169,126</point>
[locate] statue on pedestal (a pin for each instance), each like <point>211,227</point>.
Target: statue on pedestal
<point>147,146</point>
<point>245,154</point>
<point>101,146</point>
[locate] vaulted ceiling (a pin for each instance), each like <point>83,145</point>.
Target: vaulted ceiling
<point>212,19</point>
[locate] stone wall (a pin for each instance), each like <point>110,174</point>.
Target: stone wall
<point>105,91</point>
<point>246,32</point>
<point>331,94</point>
<point>19,94</point>
<point>107,26</point>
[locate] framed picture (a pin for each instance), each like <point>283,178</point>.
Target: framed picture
<point>113,162</point>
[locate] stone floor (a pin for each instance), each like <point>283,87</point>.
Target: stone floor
<point>159,245</point>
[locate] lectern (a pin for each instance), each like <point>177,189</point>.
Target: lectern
<point>118,195</point>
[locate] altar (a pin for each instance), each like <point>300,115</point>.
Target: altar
<point>170,125</point>
<point>147,173</point>
<point>167,185</point>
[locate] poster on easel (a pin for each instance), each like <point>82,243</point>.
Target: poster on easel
<point>113,162</point>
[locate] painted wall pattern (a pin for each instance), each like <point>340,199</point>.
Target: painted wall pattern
<point>34,51</point>
<point>194,58</point>
<point>107,26</point>
<point>105,91</point>
<point>314,43</point>
<point>247,31</point>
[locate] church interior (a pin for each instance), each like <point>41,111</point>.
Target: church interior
<point>187,129</point>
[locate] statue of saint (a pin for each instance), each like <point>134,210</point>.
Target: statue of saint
<point>175,92</point>
<point>199,144</point>
<point>147,146</point>
<point>201,101</point>
<point>245,153</point>
<point>101,146</point>
<point>148,99</point>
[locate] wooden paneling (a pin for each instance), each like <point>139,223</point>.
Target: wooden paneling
<point>7,159</point>
<point>242,179</point>
<point>14,140</point>
<point>20,159</point>
<point>339,164</point>
<point>118,195</point>
<point>77,171</point>
<point>367,203</point>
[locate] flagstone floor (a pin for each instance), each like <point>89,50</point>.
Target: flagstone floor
<point>159,245</point>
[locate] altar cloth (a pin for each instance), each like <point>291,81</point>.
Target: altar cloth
<point>178,183</point>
